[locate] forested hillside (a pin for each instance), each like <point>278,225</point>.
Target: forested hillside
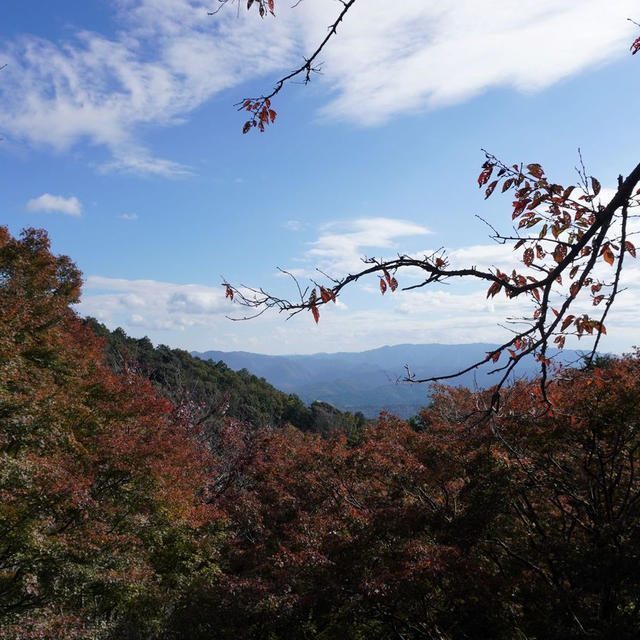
<point>213,391</point>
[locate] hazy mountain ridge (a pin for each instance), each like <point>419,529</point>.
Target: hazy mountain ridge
<point>370,381</point>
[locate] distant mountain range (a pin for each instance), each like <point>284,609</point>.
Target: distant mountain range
<point>370,381</point>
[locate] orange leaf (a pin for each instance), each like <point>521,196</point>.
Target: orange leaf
<point>607,254</point>
<point>383,286</point>
<point>393,284</point>
<point>315,312</point>
<point>229,292</point>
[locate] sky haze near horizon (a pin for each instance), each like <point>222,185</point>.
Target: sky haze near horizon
<point>120,137</point>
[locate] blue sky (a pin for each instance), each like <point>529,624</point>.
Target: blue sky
<point>121,139</point>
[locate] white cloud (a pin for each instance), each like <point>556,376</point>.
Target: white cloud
<point>341,245</point>
<point>168,57</point>
<point>128,216</point>
<point>429,54</point>
<point>49,203</point>
<point>164,304</point>
<point>293,225</point>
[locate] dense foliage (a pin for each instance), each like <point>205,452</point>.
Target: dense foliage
<point>523,527</point>
<point>212,391</point>
<point>122,517</point>
<point>101,513</point>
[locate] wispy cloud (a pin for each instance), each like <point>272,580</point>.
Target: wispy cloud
<point>429,54</point>
<point>49,203</point>
<point>341,245</point>
<point>169,57</point>
<point>293,225</point>
<point>130,217</point>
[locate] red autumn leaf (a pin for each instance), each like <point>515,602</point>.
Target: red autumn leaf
<point>519,206</point>
<point>527,257</point>
<point>315,312</point>
<point>325,295</point>
<point>484,176</point>
<point>559,253</point>
<point>490,189</point>
<point>535,170</point>
<point>566,322</point>
<point>228,292</point>
<point>597,300</point>
<point>393,284</point>
<point>383,286</point>
<point>493,289</point>
<point>630,248</point>
<point>246,127</point>
<point>635,47</point>
<point>595,185</point>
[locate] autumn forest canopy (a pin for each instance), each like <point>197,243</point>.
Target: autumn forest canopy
<point>139,501</point>
<point>147,494</point>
